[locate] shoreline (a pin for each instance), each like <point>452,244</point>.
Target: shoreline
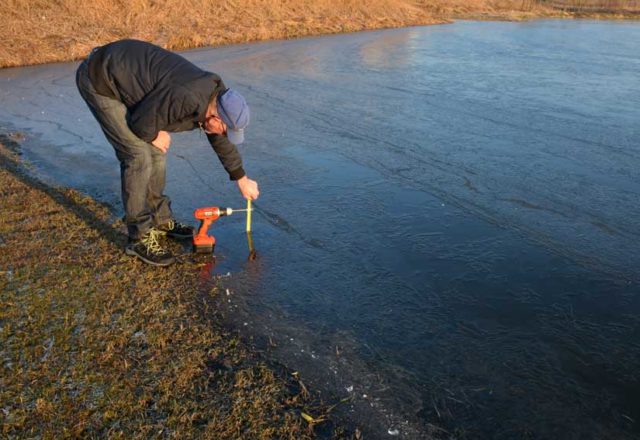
<point>58,39</point>
<point>95,343</point>
<point>289,392</point>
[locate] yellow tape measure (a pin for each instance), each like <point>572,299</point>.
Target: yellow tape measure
<point>248,215</point>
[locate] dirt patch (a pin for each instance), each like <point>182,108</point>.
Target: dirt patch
<point>96,344</point>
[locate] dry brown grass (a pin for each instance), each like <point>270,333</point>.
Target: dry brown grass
<point>612,5</point>
<point>41,31</point>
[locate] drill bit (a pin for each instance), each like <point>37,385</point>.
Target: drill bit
<point>229,211</point>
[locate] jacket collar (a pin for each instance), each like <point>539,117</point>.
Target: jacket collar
<point>205,94</point>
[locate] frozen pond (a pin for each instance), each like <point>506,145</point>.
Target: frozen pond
<point>449,220</point>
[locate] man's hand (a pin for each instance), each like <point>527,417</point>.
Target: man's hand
<point>162,141</point>
<point>248,188</point>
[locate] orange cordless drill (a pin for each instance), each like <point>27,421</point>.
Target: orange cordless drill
<point>203,243</point>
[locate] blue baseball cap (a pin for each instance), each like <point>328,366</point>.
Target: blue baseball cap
<point>234,111</point>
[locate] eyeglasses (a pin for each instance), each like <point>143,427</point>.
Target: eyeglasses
<point>216,118</point>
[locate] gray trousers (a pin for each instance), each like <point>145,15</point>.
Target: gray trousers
<point>142,166</point>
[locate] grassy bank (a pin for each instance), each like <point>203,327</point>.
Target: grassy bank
<point>96,344</point>
<point>42,31</point>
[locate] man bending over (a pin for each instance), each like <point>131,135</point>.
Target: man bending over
<point>139,93</point>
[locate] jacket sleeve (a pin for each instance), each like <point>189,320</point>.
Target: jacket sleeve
<point>228,155</point>
<point>158,110</point>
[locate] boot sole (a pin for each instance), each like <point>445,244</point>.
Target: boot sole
<point>133,253</point>
<point>181,237</point>
<point>172,235</point>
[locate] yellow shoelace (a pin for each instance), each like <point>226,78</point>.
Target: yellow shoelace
<point>151,242</point>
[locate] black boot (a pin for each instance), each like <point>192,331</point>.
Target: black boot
<point>148,249</point>
<point>176,229</point>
